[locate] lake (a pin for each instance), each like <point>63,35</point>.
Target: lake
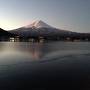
<point>53,64</point>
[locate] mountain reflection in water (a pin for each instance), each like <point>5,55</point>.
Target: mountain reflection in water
<point>45,64</point>
<point>40,51</point>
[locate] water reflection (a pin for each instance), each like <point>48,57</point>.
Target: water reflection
<point>66,62</point>
<point>11,52</point>
<point>35,50</point>
<point>15,52</point>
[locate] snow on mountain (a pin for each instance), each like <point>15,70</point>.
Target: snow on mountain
<point>38,24</point>
<point>38,28</point>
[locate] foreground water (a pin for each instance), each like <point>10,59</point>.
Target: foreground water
<point>45,64</point>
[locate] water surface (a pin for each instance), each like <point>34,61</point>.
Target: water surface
<point>45,64</point>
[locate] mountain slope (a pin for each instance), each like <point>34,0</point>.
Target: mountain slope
<point>38,24</point>
<point>38,28</point>
<point>4,33</point>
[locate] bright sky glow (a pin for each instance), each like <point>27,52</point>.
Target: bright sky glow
<point>65,14</point>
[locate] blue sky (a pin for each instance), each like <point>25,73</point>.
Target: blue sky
<point>65,14</point>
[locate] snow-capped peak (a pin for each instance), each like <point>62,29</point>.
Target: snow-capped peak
<point>38,24</point>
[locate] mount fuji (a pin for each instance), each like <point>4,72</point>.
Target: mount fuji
<point>38,24</point>
<point>38,28</point>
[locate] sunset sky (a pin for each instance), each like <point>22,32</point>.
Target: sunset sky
<point>64,14</point>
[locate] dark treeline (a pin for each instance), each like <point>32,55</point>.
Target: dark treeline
<point>68,36</point>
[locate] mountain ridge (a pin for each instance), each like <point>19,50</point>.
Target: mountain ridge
<point>38,24</point>
<point>38,28</point>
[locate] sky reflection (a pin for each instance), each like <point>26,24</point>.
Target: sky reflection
<point>15,52</point>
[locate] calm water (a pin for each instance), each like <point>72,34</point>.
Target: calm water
<point>45,64</point>
<point>18,53</point>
